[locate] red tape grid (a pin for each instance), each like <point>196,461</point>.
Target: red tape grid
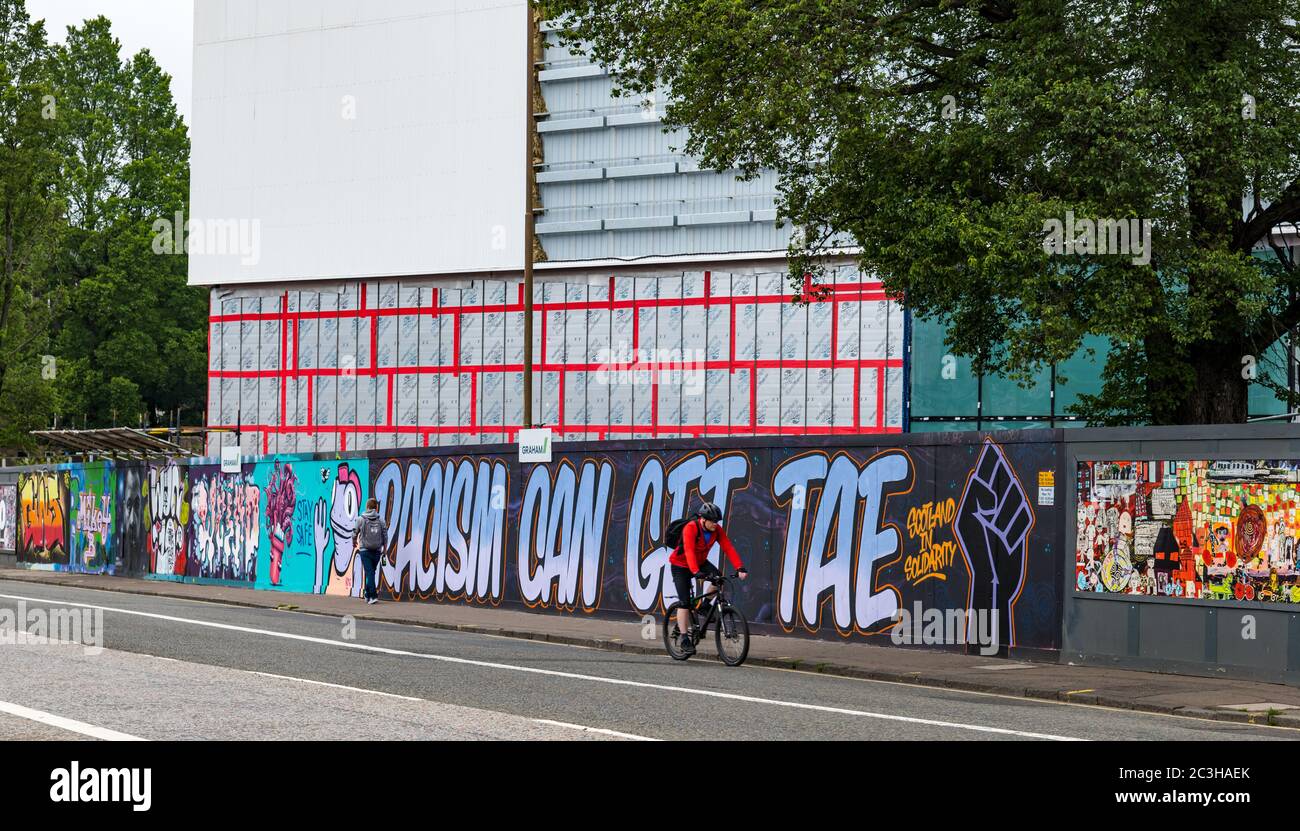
<point>289,368</point>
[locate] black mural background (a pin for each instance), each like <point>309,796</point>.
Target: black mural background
<point>758,524</point>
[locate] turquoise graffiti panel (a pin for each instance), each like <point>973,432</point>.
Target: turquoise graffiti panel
<point>308,511</point>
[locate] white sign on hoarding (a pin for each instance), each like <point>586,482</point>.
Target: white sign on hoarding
<point>230,461</point>
<point>535,445</point>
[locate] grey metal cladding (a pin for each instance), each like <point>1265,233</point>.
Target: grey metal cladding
<point>615,184</point>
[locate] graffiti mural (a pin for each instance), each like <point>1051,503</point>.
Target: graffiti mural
<point>164,495</point>
<point>91,513</point>
<point>840,539</point>
<point>1219,530</point>
<point>447,527</point>
<point>562,534</point>
<point>225,524</point>
<point>332,522</point>
<point>664,489</point>
<point>8,517</point>
<point>308,512</point>
<point>834,553</point>
<point>872,539</point>
<point>130,534</point>
<point>838,543</point>
<point>42,515</point>
<point>281,500</point>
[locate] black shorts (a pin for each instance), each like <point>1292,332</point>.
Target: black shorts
<point>685,581</point>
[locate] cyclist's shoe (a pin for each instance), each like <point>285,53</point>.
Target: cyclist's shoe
<point>688,648</point>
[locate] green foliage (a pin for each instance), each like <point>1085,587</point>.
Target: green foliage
<point>939,137</point>
<point>87,186</point>
<point>31,218</point>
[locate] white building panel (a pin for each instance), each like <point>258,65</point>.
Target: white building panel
<point>356,139</point>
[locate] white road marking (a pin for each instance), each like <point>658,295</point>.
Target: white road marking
<point>582,727</point>
<point>797,705</point>
<point>334,686</point>
<point>600,730</point>
<point>71,725</point>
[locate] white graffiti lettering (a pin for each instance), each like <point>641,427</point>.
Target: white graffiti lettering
<point>649,580</point>
<point>562,534</point>
<point>430,510</point>
<point>820,556</point>
<point>94,519</point>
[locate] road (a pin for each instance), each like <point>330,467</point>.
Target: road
<point>179,669</point>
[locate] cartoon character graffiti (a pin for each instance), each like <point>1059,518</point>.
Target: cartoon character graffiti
<point>168,513</point>
<point>281,495</point>
<point>335,521</point>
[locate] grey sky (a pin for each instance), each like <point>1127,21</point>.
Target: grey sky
<point>164,27</point>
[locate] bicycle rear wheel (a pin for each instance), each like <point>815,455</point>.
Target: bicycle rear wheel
<point>673,634</point>
<point>732,636</point>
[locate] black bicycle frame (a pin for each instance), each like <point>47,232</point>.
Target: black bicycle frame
<point>715,600</point>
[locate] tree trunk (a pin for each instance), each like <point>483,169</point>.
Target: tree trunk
<point>1219,393</point>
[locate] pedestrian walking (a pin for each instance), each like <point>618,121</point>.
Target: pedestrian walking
<point>371,537</point>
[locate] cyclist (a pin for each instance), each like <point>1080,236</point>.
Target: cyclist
<point>690,561</point>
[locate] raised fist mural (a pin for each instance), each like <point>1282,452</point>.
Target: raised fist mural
<point>993,522</point>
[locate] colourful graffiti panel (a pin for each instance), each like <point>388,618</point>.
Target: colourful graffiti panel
<point>1218,530</point>
<point>309,509</point>
<point>91,517</point>
<point>164,505</point>
<point>8,517</point>
<point>42,518</point>
<point>225,529</point>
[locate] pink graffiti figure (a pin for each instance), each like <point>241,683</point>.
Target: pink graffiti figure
<point>281,495</point>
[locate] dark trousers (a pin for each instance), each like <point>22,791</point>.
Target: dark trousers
<point>370,563</point>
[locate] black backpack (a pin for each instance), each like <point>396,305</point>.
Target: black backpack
<point>673,536</point>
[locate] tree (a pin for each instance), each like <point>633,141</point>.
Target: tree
<point>31,216</point>
<point>133,331</point>
<point>944,138</point>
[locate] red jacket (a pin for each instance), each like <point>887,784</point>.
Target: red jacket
<point>695,546</point>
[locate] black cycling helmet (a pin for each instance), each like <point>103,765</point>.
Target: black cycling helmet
<point>710,512</point>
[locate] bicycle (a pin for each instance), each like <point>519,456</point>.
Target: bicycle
<point>731,629</point>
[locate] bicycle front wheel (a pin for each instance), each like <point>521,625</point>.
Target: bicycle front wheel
<point>673,634</point>
<point>732,636</point>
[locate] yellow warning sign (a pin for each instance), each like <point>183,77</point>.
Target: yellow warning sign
<point>1046,478</point>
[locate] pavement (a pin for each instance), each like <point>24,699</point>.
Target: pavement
<point>507,673</point>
